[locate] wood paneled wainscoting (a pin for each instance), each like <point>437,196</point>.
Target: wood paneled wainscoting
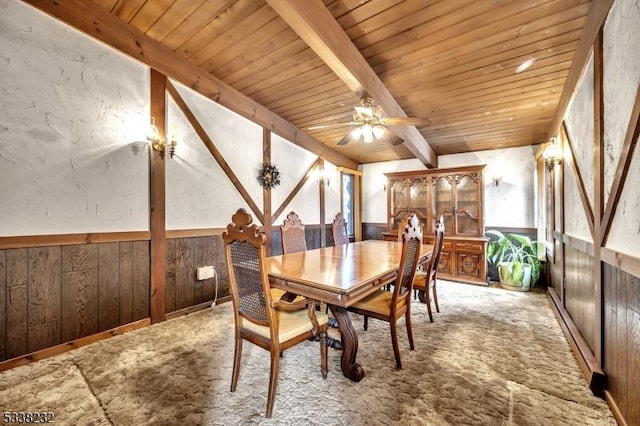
<point>58,290</point>
<point>621,318</point>
<point>184,292</point>
<point>617,376</point>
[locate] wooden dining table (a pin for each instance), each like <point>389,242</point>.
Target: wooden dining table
<point>340,276</point>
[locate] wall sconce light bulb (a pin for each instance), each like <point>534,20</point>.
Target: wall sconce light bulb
<point>552,154</point>
<point>158,143</point>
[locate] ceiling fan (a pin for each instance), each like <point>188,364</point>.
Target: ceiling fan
<point>371,125</point>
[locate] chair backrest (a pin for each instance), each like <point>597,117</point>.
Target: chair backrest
<point>245,253</point>
<point>339,229</point>
<point>437,247</point>
<point>403,224</point>
<point>411,241</point>
<point>293,239</point>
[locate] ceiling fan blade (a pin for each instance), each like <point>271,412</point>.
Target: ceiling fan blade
<point>329,126</point>
<point>391,137</point>
<point>346,139</point>
<point>406,121</point>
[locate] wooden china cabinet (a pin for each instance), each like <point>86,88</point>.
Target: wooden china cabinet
<point>456,194</point>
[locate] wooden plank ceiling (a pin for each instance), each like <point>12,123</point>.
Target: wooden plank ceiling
<point>453,61</point>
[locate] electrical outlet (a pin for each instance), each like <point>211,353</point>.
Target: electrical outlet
<point>205,272</point>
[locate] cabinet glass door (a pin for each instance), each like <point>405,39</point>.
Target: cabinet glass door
<point>468,206</point>
<point>418,199</point>
<point>399,201</point>
<point>443,202</point>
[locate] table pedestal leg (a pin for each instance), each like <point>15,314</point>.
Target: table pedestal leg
<point>350,368</point>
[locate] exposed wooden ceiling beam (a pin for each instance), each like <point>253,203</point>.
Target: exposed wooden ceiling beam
<point>311,20</point>
<point>100,24</point>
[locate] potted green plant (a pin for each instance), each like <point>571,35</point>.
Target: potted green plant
<point>516,258</point>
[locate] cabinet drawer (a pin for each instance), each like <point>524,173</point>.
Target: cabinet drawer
<point>472,247</point>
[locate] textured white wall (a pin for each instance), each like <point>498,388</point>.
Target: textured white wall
<point>374,197</point>
<point>575,219</point>
<point>293,162</point>
<point>198,192</point>
<point>621,80</point>
<point>512,202</point>
<point>239,142</point>
<point>73,115</point>
<point>579,121</point>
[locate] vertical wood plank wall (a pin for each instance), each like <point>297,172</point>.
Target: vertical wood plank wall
<point>579,291</point>
<point>52,295</point>
<point>621,316</point>
<point>184,256</point>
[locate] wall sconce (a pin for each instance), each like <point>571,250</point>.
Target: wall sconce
<point>496,179</point>
<point>551,154</point>
<point>323,177</point>
<point>159,144</point>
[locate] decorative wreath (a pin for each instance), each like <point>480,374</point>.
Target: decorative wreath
<point>268,176</point>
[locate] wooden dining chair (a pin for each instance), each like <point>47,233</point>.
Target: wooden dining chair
<point>401,225</point>
<point>425,280</point>
<point>293,237</point>
<point>274,325</point>
<point>293,240</point>
<point>391,306</point>
<point>339,230</point>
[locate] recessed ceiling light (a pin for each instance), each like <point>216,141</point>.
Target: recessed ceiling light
<point>526,64</point>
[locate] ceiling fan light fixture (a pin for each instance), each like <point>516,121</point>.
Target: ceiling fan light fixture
<point>367,133</point>
<point>378,132</point>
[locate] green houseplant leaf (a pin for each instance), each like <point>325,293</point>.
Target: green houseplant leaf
<point>517,249</point>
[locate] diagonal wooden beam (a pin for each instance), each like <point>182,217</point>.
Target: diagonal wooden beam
<point>295,190</point>
<point>197,127</point>
<point>626,155</point>
<point>588,210</point>
<point>97,22</point>
<point>313,22</point>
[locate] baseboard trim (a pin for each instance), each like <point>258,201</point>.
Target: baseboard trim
<point>74,344</point>
<point>614,409</point>
<point>593,373</point>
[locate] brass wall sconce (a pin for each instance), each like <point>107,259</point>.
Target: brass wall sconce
<point>323,177</point>
<point>158,143</point>
<point>551,154</point>
<point>496,179</point>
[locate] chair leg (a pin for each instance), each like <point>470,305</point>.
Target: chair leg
<point>407,321</point>
<point>435,296</point>
<point>394,342</point>
<point>236,363</point>
<point>273,380</point>
<point>323,353</point>
<point>366,322</point>
<point>428,302</point>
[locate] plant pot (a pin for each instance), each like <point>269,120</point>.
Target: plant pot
<point>515,277</point>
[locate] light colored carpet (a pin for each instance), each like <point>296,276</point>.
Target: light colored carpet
<point>492,357</point>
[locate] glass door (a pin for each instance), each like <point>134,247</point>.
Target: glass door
<point>399,201</point>
<point>418,200</point>
<point>443,202</point>
<point>467,205</point>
